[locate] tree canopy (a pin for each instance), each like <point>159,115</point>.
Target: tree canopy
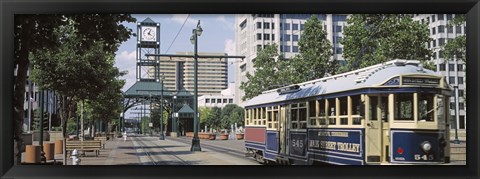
<point>371,39</point>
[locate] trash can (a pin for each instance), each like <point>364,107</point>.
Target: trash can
<point>49,149</point>
<point>59,147</point>
<point>32,154</point>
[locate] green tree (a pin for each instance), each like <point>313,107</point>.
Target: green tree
<point>456,48</point>
<point>231,114</point>
<point>34,33</point>
<point>267,73</point>
<point>314,60</point>
<point>371,39</point>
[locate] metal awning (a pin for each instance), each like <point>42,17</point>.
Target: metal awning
<point>147,89</point>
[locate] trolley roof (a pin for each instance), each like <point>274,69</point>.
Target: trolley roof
<point>371,76</point>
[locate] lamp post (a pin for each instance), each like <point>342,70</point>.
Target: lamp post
<point>456,141</point>
<point>174,122</point>
<point>42,153</point>
<point>194,39</point>
<point>162,137</point>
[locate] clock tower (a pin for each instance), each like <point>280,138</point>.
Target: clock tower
<point>148,42</point>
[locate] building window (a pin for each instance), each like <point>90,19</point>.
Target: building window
<point>461,122</point>
<point>219,101</point>
<point>287,48</point>
<point>266,25</point>
<point>441,41</point>
<point>259,48</point>
<point>295,49</point>
<point>273,25</point>
<point>460,93</point>
<point>281,48</point>
<point>230,100</point>
<point>440,16</point>
<point>295,38</point>
<point>460,67</point>
<point>440,54</point>
<point>449,16</point>
<point>273,37</point>
<point>287,26</point>
<point>224,100</point>
<point>458,29</point>
<point>259,36</point>
<point>259,25</point>
<point>434,43</point>
<point>428,19</point>
<point>461,106</point>
<point>460,80</point>
<point>207,100</point>
<point>449,29</point>
<point>433,31</point>
<point>302,26</point>
<point>287,37</point>
<point>442,67</point>
<point>338,51</point>
<point>451,80</point>
<point>337,28</point>
<point>294,26</point>
<point>441,29</point>
<point>266,36</point>
<point>452,105</point>
<point>451,67</point>
<point>433,18</point>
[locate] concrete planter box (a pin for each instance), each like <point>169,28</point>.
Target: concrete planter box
<point>212,137</point>
<point>36,136</point>
<point>239,136</point>
<point>56,135</point>
<point>223,137</point>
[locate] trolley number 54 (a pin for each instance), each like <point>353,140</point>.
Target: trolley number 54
<point>423,157</point>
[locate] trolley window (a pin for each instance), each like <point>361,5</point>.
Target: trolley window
<point>343,110</point>
<point>373,115</point>
<point>404,107</point>
<point>312,110</point>
<point>332,117</point>
<point>425,107</point>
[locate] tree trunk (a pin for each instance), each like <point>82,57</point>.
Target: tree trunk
<point>19,98</point>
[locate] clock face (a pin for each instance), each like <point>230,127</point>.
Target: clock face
<point>149,34</point>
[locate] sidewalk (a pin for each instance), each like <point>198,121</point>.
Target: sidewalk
<point>116,152</point>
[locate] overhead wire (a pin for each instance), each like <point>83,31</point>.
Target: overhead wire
<point>177,33</point>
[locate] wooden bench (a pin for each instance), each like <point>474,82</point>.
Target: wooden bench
<point>102,139</point>
<point>86,145</point>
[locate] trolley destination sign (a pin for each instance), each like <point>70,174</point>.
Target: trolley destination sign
<point>419,81</point>
<point>335,140</point>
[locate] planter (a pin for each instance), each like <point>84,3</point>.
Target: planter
<point>212,137</point>
<point>49,149</point>
<point>239,136</point>
<point>223,137</point>
<point>32,154</point>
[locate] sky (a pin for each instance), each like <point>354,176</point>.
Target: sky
<point>218,36</point>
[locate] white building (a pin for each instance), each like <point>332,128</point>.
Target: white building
<point>454,70</point>
<point>227,96</point>
<point>254,31</point>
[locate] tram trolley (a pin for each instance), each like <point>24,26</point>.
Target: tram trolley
<point>391,113</point>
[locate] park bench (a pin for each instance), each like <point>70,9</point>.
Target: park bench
<point>86,145</point>
<point>102,139</point>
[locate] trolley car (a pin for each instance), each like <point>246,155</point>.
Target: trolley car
<point>390,113</point>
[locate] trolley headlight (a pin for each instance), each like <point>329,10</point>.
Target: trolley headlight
<point>426,146</point>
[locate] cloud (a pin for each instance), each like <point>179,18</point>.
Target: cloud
<point>180,19</point>
<point>230,46</point>
<point>229,25</point>
<point>125,61</point>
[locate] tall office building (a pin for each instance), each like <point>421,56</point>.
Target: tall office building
<point>441,33</point>
<point>178,73</point>
<point>254,31</point>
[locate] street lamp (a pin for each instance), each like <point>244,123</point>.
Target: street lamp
<point>162,137</point>
<point>194,39</point>
<point>174,122</point>
<point>456,141</point>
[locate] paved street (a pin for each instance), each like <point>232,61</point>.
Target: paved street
<point>146,150</point>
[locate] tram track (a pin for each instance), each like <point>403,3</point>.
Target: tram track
<point>213,147</point>
<point>152,158</point>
